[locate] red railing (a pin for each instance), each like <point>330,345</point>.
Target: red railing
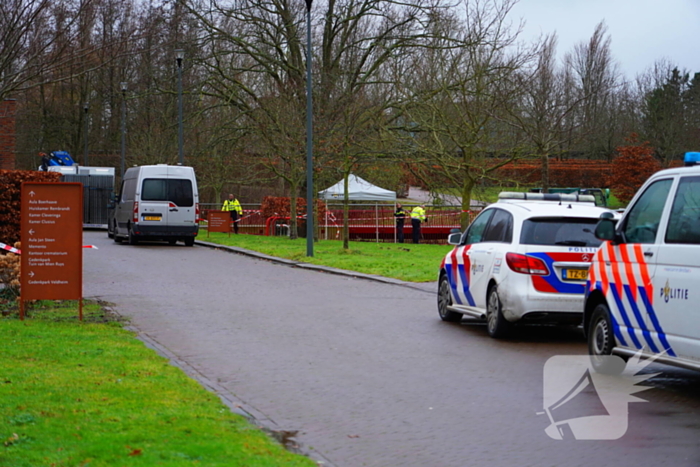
<point>375,223</point>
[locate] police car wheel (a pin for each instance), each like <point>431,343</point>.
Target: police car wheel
<point>189,241</point>
<point>445,300</point>
<point>601,342</point>
<point>496,323</point>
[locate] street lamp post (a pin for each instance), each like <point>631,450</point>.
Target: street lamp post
<point>86,107</point>
<point>123,163</point>
<point>309,141</point>
<point>179,56</point>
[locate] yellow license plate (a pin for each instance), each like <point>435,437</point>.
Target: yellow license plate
<point>151,218</point>
<point>575,274</point>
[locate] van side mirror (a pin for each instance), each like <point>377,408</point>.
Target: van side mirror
<point>605,230</point>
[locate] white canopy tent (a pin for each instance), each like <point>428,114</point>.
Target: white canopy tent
<point>358,190</point>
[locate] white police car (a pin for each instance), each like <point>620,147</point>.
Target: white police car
<point>643,291</point>
<point>524,258</point>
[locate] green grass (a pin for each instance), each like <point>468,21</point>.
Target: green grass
<point>91,394</point>
<point>404,261</point>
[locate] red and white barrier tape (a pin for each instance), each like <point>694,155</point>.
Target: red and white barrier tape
<point>4,246</point>
<point>9,248</point>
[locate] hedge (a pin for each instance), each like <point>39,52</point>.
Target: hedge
<point>10,199</point>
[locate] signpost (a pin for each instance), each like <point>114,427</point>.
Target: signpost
<point>219,221</point>
<point>51,231</point>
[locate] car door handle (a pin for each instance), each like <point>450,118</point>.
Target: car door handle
<point>173,210</point>
<point>649,253</point>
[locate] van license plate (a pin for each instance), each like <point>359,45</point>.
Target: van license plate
<point>151,218</point>
<point>574,274</point>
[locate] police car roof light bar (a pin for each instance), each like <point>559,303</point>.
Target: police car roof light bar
<point>691,158</point>
<point>558,197</point>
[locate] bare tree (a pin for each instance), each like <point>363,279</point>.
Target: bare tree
<point>252,56</point>
<point>544,109</point>
<point>448,119</point>
<point>37,38</point>
<point>596,79</point>
<point>256,63</point>
<point>361,41</point>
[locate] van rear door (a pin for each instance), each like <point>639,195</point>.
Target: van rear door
<point>154,204</point>
<point>167,201</point>
<point>181,202</point>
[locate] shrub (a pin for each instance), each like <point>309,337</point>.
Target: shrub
<point>280,206</point>
<point>10,199</point>
<point>9,272</point>
<point>630,169</point>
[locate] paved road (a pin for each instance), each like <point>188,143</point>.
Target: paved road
<point>365,371</point>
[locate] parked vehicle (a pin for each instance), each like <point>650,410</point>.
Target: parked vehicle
<point>157,202</point>
<point>642,292</point>
<point>600,195</point>
<point>523,259</point>
<point>55,159</point>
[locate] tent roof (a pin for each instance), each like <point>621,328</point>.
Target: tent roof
<point>358,190</point>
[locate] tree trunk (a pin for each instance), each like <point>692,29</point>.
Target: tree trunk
<point>467,188</point>
<point>293,235</point>
<point>346,213</point>
<point>545,173</point>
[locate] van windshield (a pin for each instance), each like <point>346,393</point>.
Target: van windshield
<point>177,191</point>
<point>565,231</point>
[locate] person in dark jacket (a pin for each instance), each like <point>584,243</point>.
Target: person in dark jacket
<point>400,216</point>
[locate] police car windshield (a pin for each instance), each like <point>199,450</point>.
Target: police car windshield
<point>563,231</point>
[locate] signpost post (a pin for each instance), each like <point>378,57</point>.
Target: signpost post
<point>51,231</point>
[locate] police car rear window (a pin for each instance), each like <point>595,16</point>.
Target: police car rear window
<point>560,231</point>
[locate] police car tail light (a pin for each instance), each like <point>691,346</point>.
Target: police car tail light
<point>196,213</point>
<point>135,215</point>
<point>526,264</point>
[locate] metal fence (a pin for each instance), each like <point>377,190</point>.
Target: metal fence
<point>97,190</point>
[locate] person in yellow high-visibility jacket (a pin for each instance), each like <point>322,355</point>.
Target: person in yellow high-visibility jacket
<point>417,217</point>
<point>234,207</point>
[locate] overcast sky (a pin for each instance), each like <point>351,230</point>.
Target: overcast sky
<point>641,31</point>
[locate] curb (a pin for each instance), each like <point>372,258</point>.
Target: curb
<point>315,267</point>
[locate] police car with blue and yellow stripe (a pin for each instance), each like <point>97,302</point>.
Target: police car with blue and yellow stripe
<point>642,292</point>
<point>524,259</point>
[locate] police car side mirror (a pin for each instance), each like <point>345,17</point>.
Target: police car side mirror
<point>454,238</point>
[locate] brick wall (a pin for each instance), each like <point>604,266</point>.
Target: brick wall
<point>7,134</point>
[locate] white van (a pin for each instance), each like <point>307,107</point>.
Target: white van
<point>156,202</point>
<point>642,293</point>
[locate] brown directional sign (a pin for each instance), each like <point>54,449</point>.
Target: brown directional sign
<point>219,221</point>
<point>52,239</point>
